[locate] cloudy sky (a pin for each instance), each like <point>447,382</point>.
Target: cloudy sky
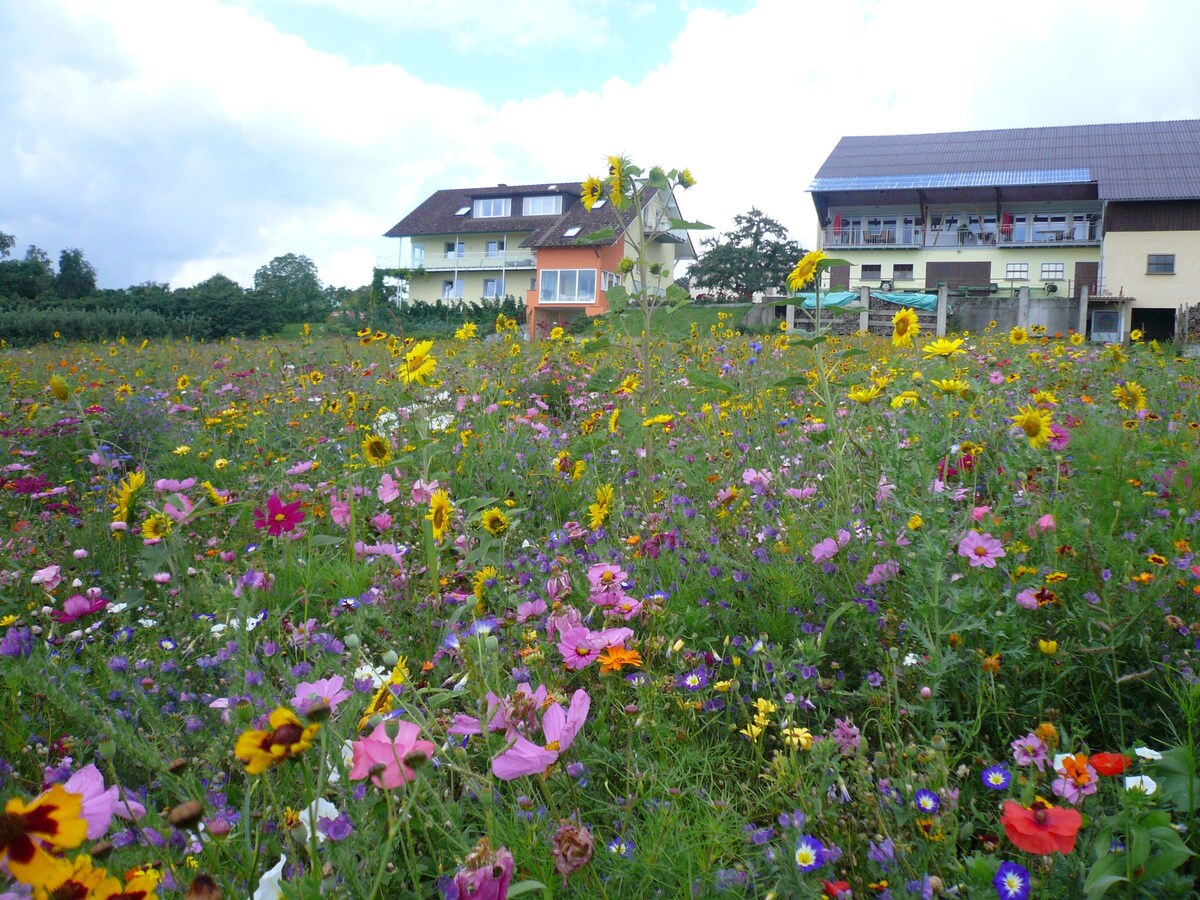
<point>173,139</point>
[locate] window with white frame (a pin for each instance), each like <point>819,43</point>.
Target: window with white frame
<point>493,208</point>
<point>542,206</point>
<point>1016,271</point>
<point>1160,264</point>
<point>1054,271</point>
<point>609,280</point>
<point>495,248</point>
<point>455,250</point>
<point>493,287</point>
<point>452,289</point>
<point>568,286</point>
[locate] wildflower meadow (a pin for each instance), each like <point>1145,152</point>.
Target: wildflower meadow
<point>736,615</point>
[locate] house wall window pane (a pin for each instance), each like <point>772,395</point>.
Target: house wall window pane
<point>871,272</point>
<point>495,248</point>
<point>902,272</point>
<point>609,280</point>
<point>493,287</point>
<point>568,286</point>
<point>587,286</point>
<point>493,208</point>
<point>1160,264</point>
<point>1053,271</point>
<point>542,206</point>
<point>452,289</point>
<point>549,291</point>
<point>1016,271</point>
<point>455,251</point>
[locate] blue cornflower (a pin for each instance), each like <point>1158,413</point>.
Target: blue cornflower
<point>808,853</point>
<point>927,801</point>
<point>1011,881</point>
<point>996,778</point>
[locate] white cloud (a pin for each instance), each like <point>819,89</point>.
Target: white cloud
<point>176,140</point>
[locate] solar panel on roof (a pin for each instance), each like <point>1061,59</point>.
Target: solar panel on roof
<point>952,180</point>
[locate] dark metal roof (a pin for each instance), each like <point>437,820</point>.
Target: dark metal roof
<point>1134,161</point>
<point>439,214</point>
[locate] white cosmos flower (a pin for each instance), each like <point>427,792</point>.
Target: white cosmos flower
<point>1147,753</point>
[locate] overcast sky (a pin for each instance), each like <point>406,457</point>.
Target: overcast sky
<point>174,139</point>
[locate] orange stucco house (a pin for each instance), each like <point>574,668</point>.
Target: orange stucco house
<point>524,241</point>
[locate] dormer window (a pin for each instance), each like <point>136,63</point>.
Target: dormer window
<point>549,205</point>
<point>493,208</point>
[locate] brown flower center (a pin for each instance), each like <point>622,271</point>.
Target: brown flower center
<point>286,735</point>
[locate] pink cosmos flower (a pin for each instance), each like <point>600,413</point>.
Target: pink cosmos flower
<point>49,578</point>
<point>100,804</point>
<point>181,512</point>
<point>422,491</point>
<point>530,609</point>
<point>1060,438</point>
<point>381,521</point>
<point>559,728</point>
<point>978,513</point>
<point>1030,751</point>
<point>1041,526</point>
<point>377,749</point>
<point>329,690</point>
<point>800,493</point>
<point>883,572</point>
<point>388,489</point>
<point>605,577</point>
<point>514,714</point>
<point>758,482</point>
<point>1027,599</point>
<point>828,548</point>
<point>996,377</point>
<point>980,549</point>
<point>339,512</point>
<point>279,516</point>
<point>558,585</point>
<point>577,647</point>
<point>76,607</point>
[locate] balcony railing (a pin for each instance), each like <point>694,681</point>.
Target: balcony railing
<point>1016,235</point>
<point>506,259</point>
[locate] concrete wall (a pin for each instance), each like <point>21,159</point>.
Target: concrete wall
<point>1058,314</point>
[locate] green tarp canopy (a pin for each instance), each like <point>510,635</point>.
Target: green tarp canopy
<point>848,298</point>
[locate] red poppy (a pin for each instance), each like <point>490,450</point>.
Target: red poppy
<point>835,888</point>
<point>1110,763</point>
<point>1041,828</point>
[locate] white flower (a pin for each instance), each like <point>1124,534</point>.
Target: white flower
<point>116,608</point>
<point>1147,753</point>
<point>911,659</point>
<point>335,774</point>
<point>376,674</point>
<point>268,885</point>
<point>1058,760</point>
<point>319,809</point>
<point>1142,783</point>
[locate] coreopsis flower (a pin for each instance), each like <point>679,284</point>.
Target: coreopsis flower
<point>418,364</point>
<point>376,450</point>
<point>805,269</point>
<point>288,737</point>
<point>78,877</point>
<point>1041,828</point>
<point>591,190</point>
<point>905,326</point>
<point>441,511</point>
<point>494,521</point>
<point>54,817</point>
<point>278,517</point>
<point>943,347</point>
<point>1035,423</point>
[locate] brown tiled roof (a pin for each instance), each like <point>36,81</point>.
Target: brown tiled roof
<point>437,215</point>
<point>1133,161</point>
<point>575,215</point>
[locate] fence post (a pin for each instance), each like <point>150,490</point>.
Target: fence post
<point>1023,307</point>
<point>1083,303</point>
<point>942,303</point>
<point>864,317</point>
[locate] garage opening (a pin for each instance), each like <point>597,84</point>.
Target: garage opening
<point>1156,324</point>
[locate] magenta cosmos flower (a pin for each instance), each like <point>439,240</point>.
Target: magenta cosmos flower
<point>279,516</point>
<point>76,607</point>
<point>384,759</point>
<point>980,549</point>
<point>559,728</point>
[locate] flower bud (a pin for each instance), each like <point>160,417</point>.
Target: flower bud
<point>186,814</point>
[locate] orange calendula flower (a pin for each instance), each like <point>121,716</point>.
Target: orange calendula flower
<point>54,817</point>
<point>259,750</point>
<point>614,659</point>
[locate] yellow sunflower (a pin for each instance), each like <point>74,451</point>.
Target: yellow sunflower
<point>805,270</point>
<point>1018,336</point>
<point>441,511</point>
<point>599,511</point>
<point>127,494</point>
<point>616,180</point>
<point>156,527</point>
<point>377,451</point>
<point>905,327</point>
<point>943,347</point>
<point>591,190</point>
<point>951,386</point>
<point>1130,395</point>
<point>494,521</point>
<point>466,331</point>
<point>418,364</point>
<point>1035,423</point>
